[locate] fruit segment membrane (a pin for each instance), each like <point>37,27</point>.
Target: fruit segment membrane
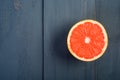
<point>87,40</point>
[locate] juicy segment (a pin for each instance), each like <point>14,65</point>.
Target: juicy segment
<point>87,40</point>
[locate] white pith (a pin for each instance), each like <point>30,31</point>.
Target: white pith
<point>87,40</point>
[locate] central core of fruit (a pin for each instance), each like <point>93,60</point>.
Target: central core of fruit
<point>87,40</point>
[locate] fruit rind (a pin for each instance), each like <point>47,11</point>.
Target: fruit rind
<point>105,39</point>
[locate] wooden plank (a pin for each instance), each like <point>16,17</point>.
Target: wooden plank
<point>59,16</point>
<point>20,40</point>
<point>108,13</point>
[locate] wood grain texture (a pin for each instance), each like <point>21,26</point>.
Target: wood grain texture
<point>59,16</point>
<point>20,40</point>
<point>108,13</point>
<point>33,39</point>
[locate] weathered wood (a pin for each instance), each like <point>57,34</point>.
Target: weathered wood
<point>108,13</point>
<point>33,42</point>
<point>20,40</point>
<point>59,16</point>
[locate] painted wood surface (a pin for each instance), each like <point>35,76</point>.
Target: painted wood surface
<point>108,13</point>
<point>33,39</point>
<point>59,16</point>
<point>20,40</point>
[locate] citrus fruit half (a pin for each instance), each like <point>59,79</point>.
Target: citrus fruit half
<point>87,40</point>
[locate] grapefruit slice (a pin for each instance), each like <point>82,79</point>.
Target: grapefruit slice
<point>87,40</point>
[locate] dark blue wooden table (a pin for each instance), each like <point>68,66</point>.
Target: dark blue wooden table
<point>33,39</point>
